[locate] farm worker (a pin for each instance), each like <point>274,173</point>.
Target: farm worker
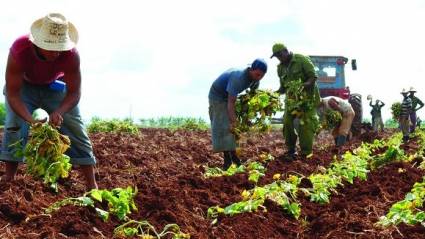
<point>35,65</point>
<point>222,100</point>
<point>342,132</point>
<point>293,67</point>
<point>415,103</point>
<point>376,114</point>
<point>406,109</point>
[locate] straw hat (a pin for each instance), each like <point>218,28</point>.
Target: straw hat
<point>404,91</point>
<point>412,89</point>
<point>54,33</point>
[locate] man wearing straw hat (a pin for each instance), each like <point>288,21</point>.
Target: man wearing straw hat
<point>43,71</point>
<point>415,102</point>
<point>406,109</point>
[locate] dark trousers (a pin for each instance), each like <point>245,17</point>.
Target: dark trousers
<point>412,121</point>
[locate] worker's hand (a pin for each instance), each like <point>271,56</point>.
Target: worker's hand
<point>55,119</point>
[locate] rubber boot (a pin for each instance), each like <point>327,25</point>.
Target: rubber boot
<point>340,140</point>
<point>227,160</point>
<point>405,139</point>
<point>291,154</point>
<point>235,158</point>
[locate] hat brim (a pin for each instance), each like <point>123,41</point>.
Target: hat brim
<point>36,38</point>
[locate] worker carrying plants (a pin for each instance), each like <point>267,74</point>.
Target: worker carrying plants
<point>301,100</point>
<point>377,121</point>
<point>342,132</point>
<point>416,105</point>
<point>222,100</point>
<point>405,112</point>
<point>35,65</point>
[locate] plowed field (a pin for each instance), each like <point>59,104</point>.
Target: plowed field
<point>167,169</point>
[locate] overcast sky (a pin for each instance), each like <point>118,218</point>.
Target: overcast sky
<point>159,58</point>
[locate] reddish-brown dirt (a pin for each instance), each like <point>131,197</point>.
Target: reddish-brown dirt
<point>167,169</point>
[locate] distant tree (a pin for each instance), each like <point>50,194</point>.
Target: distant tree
<point>2,113</point>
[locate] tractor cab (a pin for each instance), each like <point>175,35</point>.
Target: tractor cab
<point>331,75</point>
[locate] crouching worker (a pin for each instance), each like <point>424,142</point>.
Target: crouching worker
<point>35,64</point>
<point>222,100</point>
<point>342,132</point>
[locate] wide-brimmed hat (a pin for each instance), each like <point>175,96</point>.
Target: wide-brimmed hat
<point>412,90</point>
<point>404,91</point>
<point>54,33</point>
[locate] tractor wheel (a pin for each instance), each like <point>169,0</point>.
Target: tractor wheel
<point>356,102</point>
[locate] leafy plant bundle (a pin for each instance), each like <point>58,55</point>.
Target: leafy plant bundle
<point>254,109</point>
<point>396,110</point>
<point>331,119</point>
<point>297,100</point>
<point>44,154</point>
<point>120,202</point>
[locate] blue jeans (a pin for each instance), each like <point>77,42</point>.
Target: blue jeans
<point>34,97</point>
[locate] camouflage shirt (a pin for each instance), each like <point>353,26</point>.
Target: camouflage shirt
<point>299,67</point>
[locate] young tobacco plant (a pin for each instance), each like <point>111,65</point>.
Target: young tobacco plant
<point>350,167</point>
<point>145,230</point>
<point>255,169</point>
<point>120,202</point>
<point>408,210</point>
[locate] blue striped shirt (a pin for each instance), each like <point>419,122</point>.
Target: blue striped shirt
<point>406,107</point>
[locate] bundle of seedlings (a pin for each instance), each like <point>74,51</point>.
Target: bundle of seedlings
<point>331,119</point>
<point>254,110</point>
<point>44,154</point>
<point>298,101</point>
<point>396,110</point>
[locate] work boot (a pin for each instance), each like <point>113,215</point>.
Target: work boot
<point>291,154</point>
<point>340,140</point>
<point>235,158</point>
<point>405,139</point>
<point>227,160</point>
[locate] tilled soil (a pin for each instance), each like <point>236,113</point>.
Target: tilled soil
<point>167,169</point>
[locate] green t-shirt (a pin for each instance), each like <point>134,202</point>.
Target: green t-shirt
<point>300,67</point>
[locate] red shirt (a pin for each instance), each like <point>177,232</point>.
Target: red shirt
<point>38,71</point>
